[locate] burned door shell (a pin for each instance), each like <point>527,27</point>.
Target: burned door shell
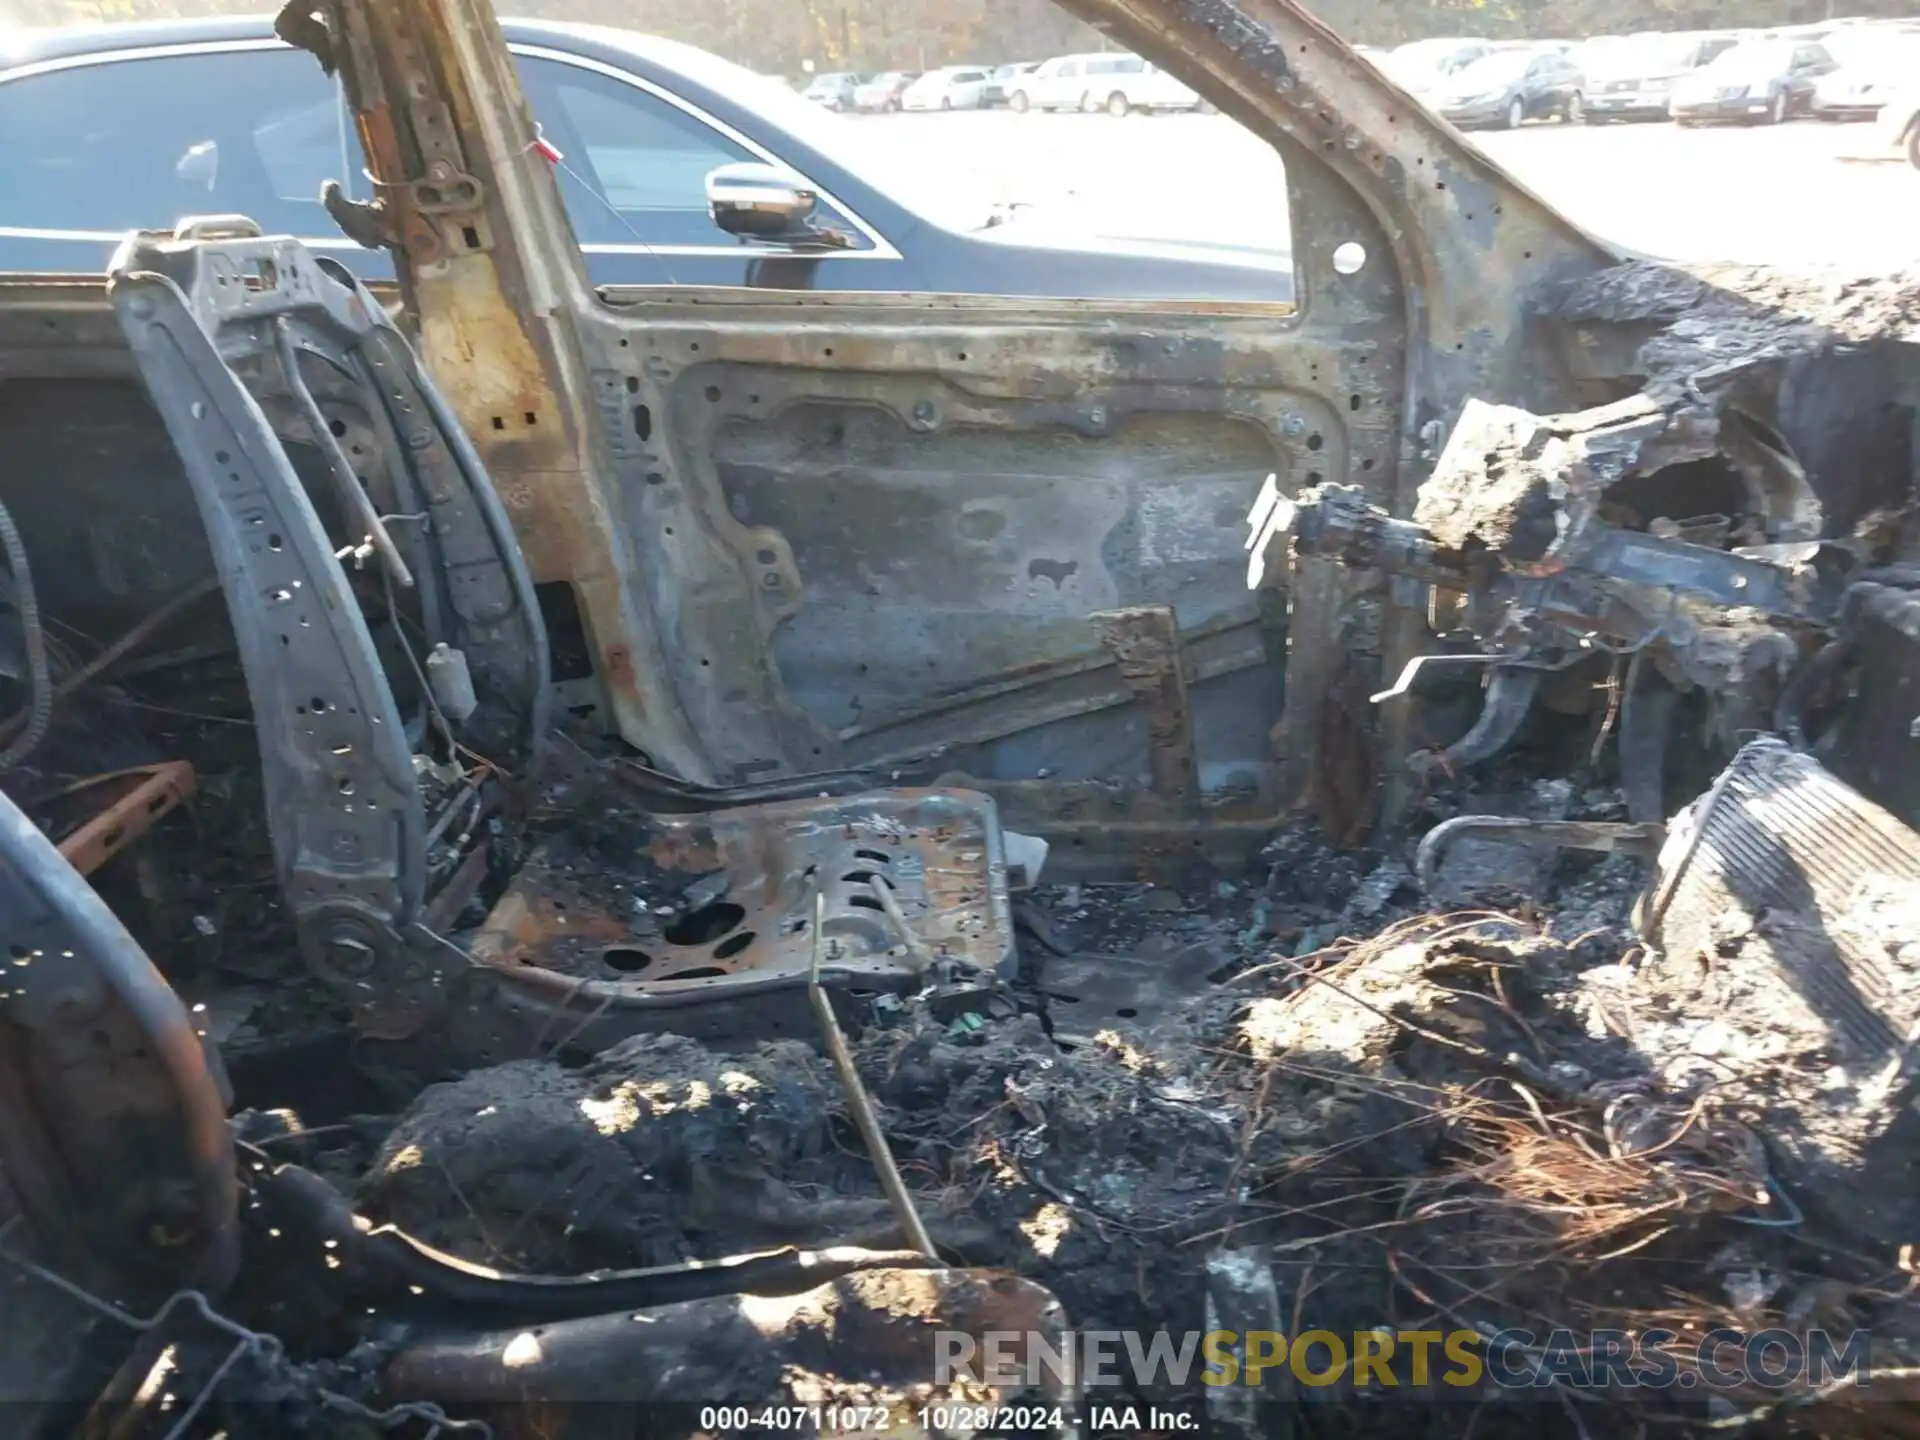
<point>809,530</point>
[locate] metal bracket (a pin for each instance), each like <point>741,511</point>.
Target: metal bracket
<point>1146,646</point>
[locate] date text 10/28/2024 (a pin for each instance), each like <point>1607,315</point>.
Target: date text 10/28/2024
<point>803,1420</point>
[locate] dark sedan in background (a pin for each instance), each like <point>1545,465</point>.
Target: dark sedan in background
<point>1763,82</point>
<point>1511,87</point>
<point>122,127</point>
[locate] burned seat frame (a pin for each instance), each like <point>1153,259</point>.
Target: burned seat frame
<point>247,345</point>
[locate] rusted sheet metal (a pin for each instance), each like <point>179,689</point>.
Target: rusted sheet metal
<point>488,270</point>
<point>1145,641</point>
<point>146,795</point>
<point>687,912</point>
<point>1471,246</point>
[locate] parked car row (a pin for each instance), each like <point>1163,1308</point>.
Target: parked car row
<point>1110,83</point>
<point>1842,71</point>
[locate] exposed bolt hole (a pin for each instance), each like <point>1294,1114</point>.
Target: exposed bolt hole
<point>633,381</point>
<point>499,422</point>
<point>705,925</point>
<point>221,456</point>
<point>344,785</point>
<point>1349,257</point>
<point>654,477</point>
<point>713,394</point>
<point>319,705</point>
<point>1315,441</point>
<point>274,542</point>
<point>625,959</point>
<point>765,557</point>
<point>733,945</point>
<point>1353,402</point>
<point>338,427</point>
<point>827,351</point>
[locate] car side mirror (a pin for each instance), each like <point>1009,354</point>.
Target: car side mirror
<point>763,202</point>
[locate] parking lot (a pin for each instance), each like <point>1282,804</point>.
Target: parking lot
<point>1782,195</point>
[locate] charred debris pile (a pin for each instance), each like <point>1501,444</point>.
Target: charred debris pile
<point>1608,1029</point>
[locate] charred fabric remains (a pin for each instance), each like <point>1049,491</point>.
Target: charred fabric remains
<point>421,1016</point>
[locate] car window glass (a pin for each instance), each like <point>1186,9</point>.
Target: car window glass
<point>634,166</point>
<point>248,132</point>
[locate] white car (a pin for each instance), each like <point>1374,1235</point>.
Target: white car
<point>1156,90</point>
<point>957,87</point>
<point>1088,83</point>
<point>1420,66</point>
<point>882,92</point>
<point>1873,64</point>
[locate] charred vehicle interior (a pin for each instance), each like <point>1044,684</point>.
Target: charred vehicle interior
<point>811,820</point>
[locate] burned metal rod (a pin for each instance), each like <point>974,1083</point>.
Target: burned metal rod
<point>917,950</point>
<point>857,1098</point>
<point>354,498</point>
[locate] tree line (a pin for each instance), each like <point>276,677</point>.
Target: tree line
<point>788,37</point>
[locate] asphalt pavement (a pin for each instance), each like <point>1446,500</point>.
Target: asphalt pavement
<point>1781,195</point>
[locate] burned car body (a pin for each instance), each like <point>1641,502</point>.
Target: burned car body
<point>638,668</point>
